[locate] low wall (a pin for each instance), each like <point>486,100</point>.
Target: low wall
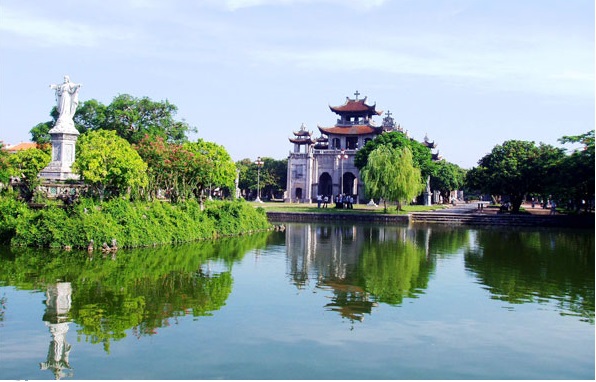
<point>570,221</point>
<point>278,217</point>
<point>473,219</point>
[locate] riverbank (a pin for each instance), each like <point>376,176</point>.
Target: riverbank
<point>89,223</point>
<point>460,214</point>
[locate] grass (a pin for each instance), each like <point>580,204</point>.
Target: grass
<point>358,208</point>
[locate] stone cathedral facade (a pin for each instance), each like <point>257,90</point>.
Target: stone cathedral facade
<point>325,165</point>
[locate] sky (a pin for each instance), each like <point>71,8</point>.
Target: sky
<point>469,74</point>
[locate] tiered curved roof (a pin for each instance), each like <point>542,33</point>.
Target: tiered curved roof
<point>350,130</point>
<point>356,107</point>
<point>302,137</point>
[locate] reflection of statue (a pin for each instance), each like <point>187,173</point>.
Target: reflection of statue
<point>67,99</point>
<point>56,318</point>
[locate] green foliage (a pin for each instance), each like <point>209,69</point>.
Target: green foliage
<point>393,270</point>
<point>516,168</point>
<point>421,155</point>
<point>137,293</point>
<point>211,166</point>
<point>5,167</point>
<point>236,217</point>
<point>390,174</point>
<point>576,177</point>
<point>109,164</point>
<point>132,224</point>
<point>26,165</point>
<point>132,118</point>
<point>447,177</point>
<point>272,180</point>
<point>11,210</point>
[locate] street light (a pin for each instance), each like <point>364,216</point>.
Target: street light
<point>342,156</point>
<point>259,164</point>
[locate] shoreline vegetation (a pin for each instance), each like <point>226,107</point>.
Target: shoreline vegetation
<point>137,224</point>
<point>131,224</point>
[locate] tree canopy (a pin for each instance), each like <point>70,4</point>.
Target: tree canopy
<point>272,180</point>
<point>446,178</point>
<point>109,164</point>
<point>515,168</point>
<point>132,118</point>
<point>421,155</point>
<point>390,174</point>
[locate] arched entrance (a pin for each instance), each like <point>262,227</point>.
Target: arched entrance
<point>325,185</point>
<point>350,184</point>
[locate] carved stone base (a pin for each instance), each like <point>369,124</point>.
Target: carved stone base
<point>63,156</point>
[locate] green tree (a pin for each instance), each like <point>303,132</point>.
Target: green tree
<point>390,174</point>
<point>421,155</point>
<point>515,169</point>
<point>169,168</point>
<point>576,176</point>
<point>134,117</point>
<point>211,167</point>
<point>109,164</point>
<point>26,165</point>
<point>90,115</point>
<point>273,176</point>
<point>4,167</point>
<point>446,178</point>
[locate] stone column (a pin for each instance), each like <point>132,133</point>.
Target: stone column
<point>63,156</point>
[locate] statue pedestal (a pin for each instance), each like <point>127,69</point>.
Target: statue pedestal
<point>426,200</point>
<point>63,155</point>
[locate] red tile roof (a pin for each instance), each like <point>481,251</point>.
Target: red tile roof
<point>355,106</point>
<point>20,147</point>
<point>349,130</point>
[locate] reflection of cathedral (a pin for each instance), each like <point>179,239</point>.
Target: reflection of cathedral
<point>331,256</point>
<point>326,165</point>
<point>56,318</point>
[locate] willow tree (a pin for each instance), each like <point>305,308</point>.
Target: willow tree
<point>390,174</point>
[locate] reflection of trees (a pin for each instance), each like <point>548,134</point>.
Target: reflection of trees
<point>392,270</point>
<point>538,266</point>
<point>360,265</point>
<point>139,290</point>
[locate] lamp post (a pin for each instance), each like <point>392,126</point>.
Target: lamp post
<point>342,156</point>
<point>259,164</point>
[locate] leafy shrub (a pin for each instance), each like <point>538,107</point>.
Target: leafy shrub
<point>132,224</point>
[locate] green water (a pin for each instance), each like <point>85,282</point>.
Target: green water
<point>317,301</point>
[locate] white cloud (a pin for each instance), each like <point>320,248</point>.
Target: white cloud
<point>362,4</point>
<point>57,31</point>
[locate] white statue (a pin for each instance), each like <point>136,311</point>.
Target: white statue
<point>67,99</point>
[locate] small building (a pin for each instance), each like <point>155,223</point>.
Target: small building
<point>325,165</point>
<point>12,149</point>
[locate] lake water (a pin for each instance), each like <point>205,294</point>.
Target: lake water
<point>318,301</point>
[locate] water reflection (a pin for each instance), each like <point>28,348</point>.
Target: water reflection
<point>56,318</point>
<point>358,267</point>
<point>136,292</point>
<point>363,265</point>
<point>520,266</point>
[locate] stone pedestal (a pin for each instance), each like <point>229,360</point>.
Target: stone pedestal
<point>426,199</point>
<point>63,155</point>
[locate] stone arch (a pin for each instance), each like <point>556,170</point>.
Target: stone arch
<point>350,183</point>
<point>325,184</point>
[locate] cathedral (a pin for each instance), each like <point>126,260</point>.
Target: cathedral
<point>325,165</point>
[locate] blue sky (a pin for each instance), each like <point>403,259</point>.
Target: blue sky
<point>470,74</point>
